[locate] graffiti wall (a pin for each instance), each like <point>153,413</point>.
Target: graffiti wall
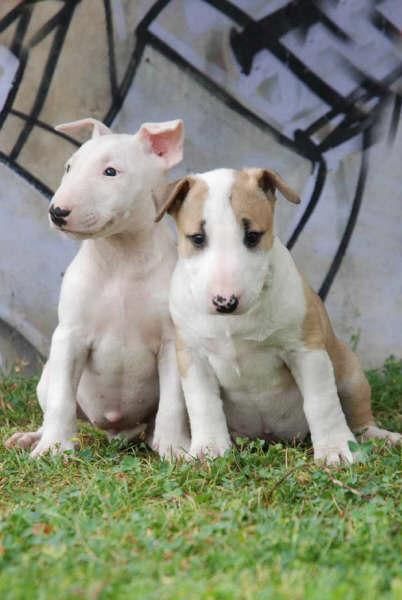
<point>310,88</point>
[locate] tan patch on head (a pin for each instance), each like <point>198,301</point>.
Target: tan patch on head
<point>252,205</point>
<point>189,217</point>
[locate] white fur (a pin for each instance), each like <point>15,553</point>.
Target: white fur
<point>114,333</point>
<point>245,354</point>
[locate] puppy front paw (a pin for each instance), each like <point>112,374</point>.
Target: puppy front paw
<point>52,443</point>
<point>210,447</point>
<point>23,439</point>
<point>170,445</point>
<point>335,450</point>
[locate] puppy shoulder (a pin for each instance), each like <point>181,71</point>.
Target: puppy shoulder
<point>316,331</point>
<point>79,287</point>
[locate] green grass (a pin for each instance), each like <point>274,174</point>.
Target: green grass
<point>261,523</point>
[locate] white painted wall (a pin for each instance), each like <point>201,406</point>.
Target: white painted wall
<point>190,71</point>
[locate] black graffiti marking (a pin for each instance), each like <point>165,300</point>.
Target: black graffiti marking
<point>385,26</point>
<point>350,225</point>
<point>111,51</point>
<point>24,16</point>
<point>48,27</point>
<point>395,119</point>
<point>43,125</point>
<point>31,179</point>
<point>220,93</point>
<point>20,31</point>
<point>13,15</point>
<point>312,203</point>
<point>265,34</point>
<point>60,21</point>
<point>140,34</point>
<point>347,129</point>
<point>254,36</point>
<point>232,11</point>
<point>64,17</point>
<point>366,143</point>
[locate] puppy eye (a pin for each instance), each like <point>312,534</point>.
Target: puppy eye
<point>198,240</point>
<point>67,168</point>
<point>110,172</point>
<point>252,238</point>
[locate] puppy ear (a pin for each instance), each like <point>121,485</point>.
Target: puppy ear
<point>164,140</point>
<point>172,198</point>
<point>98,128</point>
<point>270,181</point>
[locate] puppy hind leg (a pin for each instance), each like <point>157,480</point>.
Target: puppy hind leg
<point>41,388</point>
<point>24,439</point>
<point>355,394</point>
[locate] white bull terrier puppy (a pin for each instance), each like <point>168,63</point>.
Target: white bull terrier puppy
<point>112,355</point>
<point>256,351</point>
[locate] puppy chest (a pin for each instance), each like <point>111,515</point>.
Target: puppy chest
<point>121,357</point>
<point>128,315</point>
<point>250,369</point>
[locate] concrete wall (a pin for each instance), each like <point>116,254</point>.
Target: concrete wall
<point>311,89</point>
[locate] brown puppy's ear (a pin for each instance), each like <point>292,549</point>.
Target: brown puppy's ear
<point>173,197</point>
<point>270,181</point>
<point>98,128</point>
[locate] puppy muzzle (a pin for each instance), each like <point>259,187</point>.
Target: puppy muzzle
<point>58,215</point>
<point>225,305</point>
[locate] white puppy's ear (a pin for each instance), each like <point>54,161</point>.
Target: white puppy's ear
<point>270,181</point>
<point>172,197</point>
<point>164,140</point>
<point>98,128</point>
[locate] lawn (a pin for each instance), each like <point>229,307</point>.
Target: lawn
<point>264,522</point>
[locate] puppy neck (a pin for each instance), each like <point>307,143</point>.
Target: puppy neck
<point>141,242</point>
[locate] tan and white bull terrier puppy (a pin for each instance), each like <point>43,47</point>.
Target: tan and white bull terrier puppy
<point>112,356</point>
<point>256,351</point>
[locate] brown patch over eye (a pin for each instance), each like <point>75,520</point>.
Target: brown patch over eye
<point>199,240</point>
<point>251,238</point>
<point>254,210</point>
<point>190,220</point>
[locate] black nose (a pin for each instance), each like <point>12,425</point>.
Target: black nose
<point>57,215</point>
<point>225,305</point>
